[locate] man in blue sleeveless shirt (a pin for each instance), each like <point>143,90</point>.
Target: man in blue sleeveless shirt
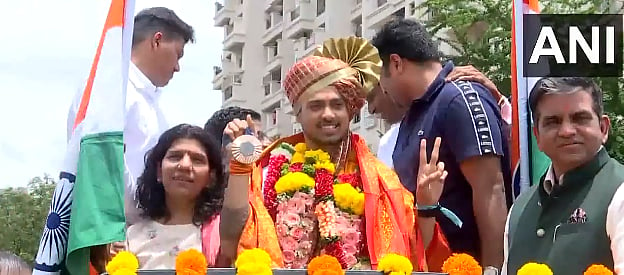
<point>474,147</point>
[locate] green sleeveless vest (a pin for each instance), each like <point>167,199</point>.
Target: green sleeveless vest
<point>539,230</point>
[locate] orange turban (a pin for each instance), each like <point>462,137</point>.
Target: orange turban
<point>352,65</point>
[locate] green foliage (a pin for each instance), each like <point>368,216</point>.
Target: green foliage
<point>481,36</point>
<point>23,213</point>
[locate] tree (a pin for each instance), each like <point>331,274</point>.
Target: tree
<point>23,214</point>
<point>479,32</point>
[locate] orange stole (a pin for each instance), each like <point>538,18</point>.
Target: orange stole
<point>389,215</point>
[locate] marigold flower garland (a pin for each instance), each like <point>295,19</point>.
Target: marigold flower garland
<point>253,262</point>
<point>122,264</point>
<point>462,264</point>
<point>191,262</point>
<point>597,269</point>
<point>534,269</point>
<point>395,264</point>
<point>297,179</point>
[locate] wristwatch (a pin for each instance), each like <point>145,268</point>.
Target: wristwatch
<point>490,270</point>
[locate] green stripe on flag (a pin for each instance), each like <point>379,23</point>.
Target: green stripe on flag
<point>97,212</point>
<point>539,162</point>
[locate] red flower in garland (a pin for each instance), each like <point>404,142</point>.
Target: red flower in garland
<point>273,174</point>
<point>324,184</point>
<point>335,249</point>
<point>352,178</point>
<point>296,167</point>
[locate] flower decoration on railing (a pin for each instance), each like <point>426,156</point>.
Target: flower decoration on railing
<point>325,265</point>
<point>597,269</point>
<point>124,263</point>
<point>534,269</point>
<point>395,264</point>
<point>191,262</point>
<point>253,262</point>
<point>461,264</point>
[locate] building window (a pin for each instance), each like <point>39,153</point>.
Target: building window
<point>267,89</point>
<point>320,7</point>
<point>227,93</point>
<point>381,2</point>
<point>357,29</point>
<point>356,118</point>
<point>274,117</point>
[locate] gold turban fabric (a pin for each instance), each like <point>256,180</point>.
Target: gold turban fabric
<point>352,65</point>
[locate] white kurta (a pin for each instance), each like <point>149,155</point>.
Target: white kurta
<point>144,124</point>
<point>387,143</point>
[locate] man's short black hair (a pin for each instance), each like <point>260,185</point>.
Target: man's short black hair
<point>216,124</point>
<point>555,85</point>
<point>406,38</point>
<point>159,19</point>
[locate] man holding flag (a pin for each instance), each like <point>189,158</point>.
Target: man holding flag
<point>117,111</point>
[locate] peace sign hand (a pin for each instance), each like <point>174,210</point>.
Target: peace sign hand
<point>431,175</point>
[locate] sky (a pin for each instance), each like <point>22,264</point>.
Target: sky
<point>46,52</point>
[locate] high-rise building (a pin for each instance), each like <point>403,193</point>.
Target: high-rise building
<point>264,38</point>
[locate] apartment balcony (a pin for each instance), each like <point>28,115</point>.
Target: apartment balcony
<point>384,11</point>
<point>272,94</point>
<point>223,14</point>
<point>274,26</point>
<point>217,80</point>
<point>300,19</point>
<point>274,57</point>
<point>356,11</point>
<point>273,5</point>
<point>304,46</point>
<point>234,35</point>
<point>232,89</point>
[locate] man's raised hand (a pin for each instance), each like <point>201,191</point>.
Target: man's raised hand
<point>431,175</point>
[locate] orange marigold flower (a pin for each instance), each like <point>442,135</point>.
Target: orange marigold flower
<point>191,262</point>
<point>461,264</point>
<point>324,264</point>
<point>327,272</point>
<point>597,269</point>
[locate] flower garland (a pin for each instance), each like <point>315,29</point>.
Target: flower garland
<point>191,262</point>
<point>534,269</point>
<point>461,264</point>
<point>253,262</point>
<point>124,263</point>
<point>395,264</point>
<point>299,190</point>
<point>597,269</point>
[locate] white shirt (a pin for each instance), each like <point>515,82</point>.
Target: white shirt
<point>144,124</point>
<point>387,143</point>
<point>614,225</point>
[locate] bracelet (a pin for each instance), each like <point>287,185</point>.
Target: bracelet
<point>237,168</point>
<point>429,211</point>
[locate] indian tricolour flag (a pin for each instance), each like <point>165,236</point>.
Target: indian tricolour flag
<point>87,207</point>
<point>528,162</point>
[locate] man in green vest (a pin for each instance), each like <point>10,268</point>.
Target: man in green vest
<point>574,217</point>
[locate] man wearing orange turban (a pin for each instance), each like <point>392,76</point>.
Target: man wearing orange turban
<point>326,90</point>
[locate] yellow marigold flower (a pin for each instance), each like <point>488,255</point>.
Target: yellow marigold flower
<point>461,264</point>
<point>254,269</point>
<point>292,182</point>
<point>357,204</point>
<point>191,262</point>
<point>343,194</point>
<point>297,158</point>
<point>534,269</point>
<point>597,269</point>
<point>327,165</point>
<point>395,264</point>
<point>300,147</point>
<point>124,260</point>
<point>253,256</point>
